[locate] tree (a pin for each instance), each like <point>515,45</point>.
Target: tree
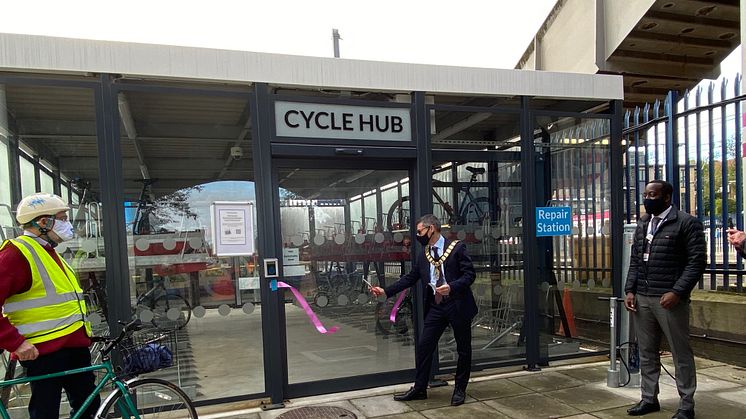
<point>170,209</point>
<point>716,204</point>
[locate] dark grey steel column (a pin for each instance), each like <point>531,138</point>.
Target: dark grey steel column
<point>16,191</point>
<point>112,199</point>
<point>57,179</point>
<point>37,173</point>
<point>273,328</point>
<point>420,194</point>
<point>673,175</point>
<point>530,259</point>
<point>616,173</point>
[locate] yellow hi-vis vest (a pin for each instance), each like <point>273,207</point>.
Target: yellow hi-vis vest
<point>54,305</point>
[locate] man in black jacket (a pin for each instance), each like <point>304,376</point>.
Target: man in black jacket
<point>447,273</point>
<point>668,260</point>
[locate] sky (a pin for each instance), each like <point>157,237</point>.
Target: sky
<point>473,33</point>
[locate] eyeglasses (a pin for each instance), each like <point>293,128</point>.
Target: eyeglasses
<point>420,231</point>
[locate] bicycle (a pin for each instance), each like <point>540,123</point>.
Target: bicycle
<point>131,397</point>
<point>169,311</point>
<point>404,320</point>
<point>145,207</point>
<point>472,210</point>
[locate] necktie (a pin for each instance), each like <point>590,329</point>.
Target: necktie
<point>653,228</point>
<point>439,277</point>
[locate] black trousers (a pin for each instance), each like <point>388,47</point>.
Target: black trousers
<point>438,317</point>
<point>46,394</point>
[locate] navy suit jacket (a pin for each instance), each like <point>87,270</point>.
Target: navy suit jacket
<point>459,272</point>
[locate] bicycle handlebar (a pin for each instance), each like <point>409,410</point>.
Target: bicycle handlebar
<point>128,328</point>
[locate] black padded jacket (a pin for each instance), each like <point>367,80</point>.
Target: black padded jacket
<point>677,256</point>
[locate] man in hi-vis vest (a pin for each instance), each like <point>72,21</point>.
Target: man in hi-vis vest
<point>44,321</point>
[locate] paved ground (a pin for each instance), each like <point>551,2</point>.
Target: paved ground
<point>570,391</point>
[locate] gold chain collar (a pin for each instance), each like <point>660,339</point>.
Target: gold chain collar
<point>441,260</point>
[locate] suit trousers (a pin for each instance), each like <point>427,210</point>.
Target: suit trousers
<point>46,394</point>
<point>438,317</point>
<point>652,322</point>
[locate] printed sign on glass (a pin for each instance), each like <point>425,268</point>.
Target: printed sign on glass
<point>233,228</point>
<point>553,221</point>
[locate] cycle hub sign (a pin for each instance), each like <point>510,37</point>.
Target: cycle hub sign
<point>553,221</point>
<point>321,120</point>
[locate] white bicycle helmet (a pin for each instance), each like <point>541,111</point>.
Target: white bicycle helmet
<point>39,204</point>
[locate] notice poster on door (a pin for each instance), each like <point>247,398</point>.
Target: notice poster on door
<point>233,228</point>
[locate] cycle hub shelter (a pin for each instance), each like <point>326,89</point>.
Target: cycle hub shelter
<point>239,201</point>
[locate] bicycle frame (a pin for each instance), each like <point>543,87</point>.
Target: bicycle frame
<point>469,198</point>
<point>147,296</point>
<point>109,377</point>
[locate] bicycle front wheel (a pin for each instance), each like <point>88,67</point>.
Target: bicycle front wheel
<point>171,312</point>
<point>398,215</point>
<point>148,398</point>
<point>476,212</point>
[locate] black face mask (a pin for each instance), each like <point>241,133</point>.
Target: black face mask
<point>424,240</point>
<point>654,206</point>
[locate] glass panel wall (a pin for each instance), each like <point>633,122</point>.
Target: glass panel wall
<point>480,203</point>
<point>58,124</point>
<point>190,199</point>
<point>28,175</point>
<point>488,220</point>
<point>573,172</point>
<point>6,201</point>
<point>47,182</point>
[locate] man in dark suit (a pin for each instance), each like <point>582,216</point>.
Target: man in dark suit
<point>447,273</point>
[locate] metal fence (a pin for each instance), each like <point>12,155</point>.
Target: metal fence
<point>694,141</point>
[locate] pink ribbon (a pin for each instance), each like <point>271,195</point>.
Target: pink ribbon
<point>395,310</point>
<point>309,312</point>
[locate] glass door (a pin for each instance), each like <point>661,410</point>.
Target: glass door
<point>336,235</point>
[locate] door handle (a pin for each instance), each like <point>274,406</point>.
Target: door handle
<point>349,151</point>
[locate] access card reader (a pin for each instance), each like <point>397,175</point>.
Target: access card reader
<point>271,268</point>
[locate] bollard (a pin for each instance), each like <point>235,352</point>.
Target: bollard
<point>612,375</point>
<point>628,353</point>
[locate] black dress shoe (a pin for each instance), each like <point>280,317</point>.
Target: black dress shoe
<point>643,408</point>
<point>683,414</point>
<point>412,394</point>
<point>459,396</point>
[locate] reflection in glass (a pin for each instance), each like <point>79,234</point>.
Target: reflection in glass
<point>485,214</point>
<point>347,209</point>
<point>175,167</point>
<point>179,285</point>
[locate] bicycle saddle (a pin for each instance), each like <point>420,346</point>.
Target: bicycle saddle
<point>475,170</point>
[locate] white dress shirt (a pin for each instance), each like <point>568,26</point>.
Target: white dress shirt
<point>440,244</point>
